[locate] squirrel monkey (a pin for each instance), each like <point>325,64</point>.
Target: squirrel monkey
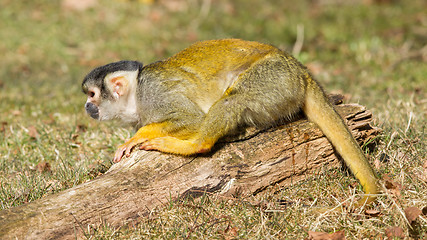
<point>184,104</point>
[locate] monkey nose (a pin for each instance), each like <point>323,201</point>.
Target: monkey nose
<point>92,110</point>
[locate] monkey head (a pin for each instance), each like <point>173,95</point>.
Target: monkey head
<point>111,91</point>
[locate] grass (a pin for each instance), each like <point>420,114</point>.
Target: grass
<point>374,53</point>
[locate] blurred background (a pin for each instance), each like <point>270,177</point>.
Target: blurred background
<point>353,46</point>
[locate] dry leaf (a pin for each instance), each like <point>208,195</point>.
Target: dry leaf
<point>192,36</point>
<point>81,128</point>
<point>394,232</point>
<point>32,132</point>
<point>340,235</point>
<point>155,15</point>
<point>389,184</point>
<point>49,121</point>
<point>175,5</point>
<point>231,233</point>
<point>90,63</point>
<point>78,5</point>
<point>74,138</point>
<point>392,185</point>
<point>316,68</point>
<point>3,126</point>
<point>43,167</point>
<point>412,213</point>
<point>16,112</point>
<point>37,15</point>
<point>372,212</point>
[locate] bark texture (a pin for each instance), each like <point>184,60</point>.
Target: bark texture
<point>134,186</point>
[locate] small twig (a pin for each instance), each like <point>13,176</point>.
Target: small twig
<point>409,122</point>
<point>299,41</point>
<point>391,139</point>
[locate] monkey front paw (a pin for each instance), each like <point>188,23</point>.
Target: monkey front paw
<point>126,148</point>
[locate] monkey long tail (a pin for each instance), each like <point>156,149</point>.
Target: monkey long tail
<point>318,110</point>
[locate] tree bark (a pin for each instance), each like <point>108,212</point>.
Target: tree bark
<point>134,186</point>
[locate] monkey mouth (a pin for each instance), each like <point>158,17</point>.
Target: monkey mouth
<point>92,110</point>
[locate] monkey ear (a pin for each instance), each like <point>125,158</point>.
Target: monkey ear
<point>120,82</point>
<point>118,86</point>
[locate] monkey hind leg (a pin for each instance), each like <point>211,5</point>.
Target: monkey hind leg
<point>271,90</point>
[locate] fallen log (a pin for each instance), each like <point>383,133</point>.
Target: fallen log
<point>134,186</point>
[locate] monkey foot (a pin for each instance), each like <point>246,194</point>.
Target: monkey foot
<point>126,148</point>
<point>164,144</point>
<point>174,145</point>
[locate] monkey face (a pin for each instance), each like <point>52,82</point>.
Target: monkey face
<point>111,90</point>
<point>100,107</point>
<point>93,101</point>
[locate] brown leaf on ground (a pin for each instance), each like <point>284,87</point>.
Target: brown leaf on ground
<point>372,212</point>
<point>231,233</point>
<point>395,232</point>
<point>371,2</point>
<point>50,120</point>
<point>316,68</point>
<point>412,214</point>
<point>340,235</point>
<point>75,138</point>
<point>78,5</point>
<point>175,5</point>
<point>3,126</point>
<point>32,132</point>
<point>81,128</point>
<point>43,167</point>
<point>16,113</point>
<point>392,185</point>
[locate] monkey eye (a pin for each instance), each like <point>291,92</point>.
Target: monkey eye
<point>91,94</point>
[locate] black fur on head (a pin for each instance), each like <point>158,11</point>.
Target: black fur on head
<point>97,75</point>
